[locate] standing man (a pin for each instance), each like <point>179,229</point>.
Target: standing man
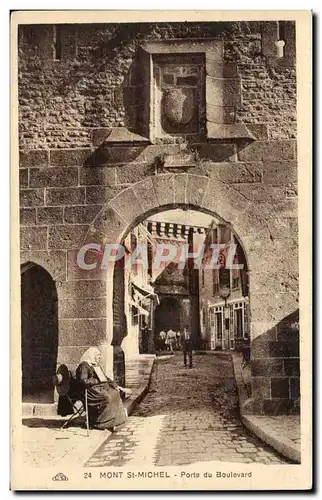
<point>171,338</point>
<point>186,342</point>
<point>162,337</point>
<point>145,338</point>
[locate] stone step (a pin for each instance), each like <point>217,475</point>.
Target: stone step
<point>39,409</point>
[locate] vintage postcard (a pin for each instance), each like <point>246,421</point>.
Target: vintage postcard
<point>160,236</point>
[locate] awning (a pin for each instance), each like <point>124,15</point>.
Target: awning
<point>145,290</point>
<point>140,308</point>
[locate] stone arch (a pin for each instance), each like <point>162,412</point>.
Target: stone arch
<point>243,215</point>
<point>196,192</point>
<point>268,257</point>
<point>163,192</point>
<point>39,333</point>
<point>54,262</point>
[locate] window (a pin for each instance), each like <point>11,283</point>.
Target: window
<point>57,45</point>
<point>203,277</point>
<point>150,258</point>
<point>279,42</point>
<point>235,283</point>
<point>224,277</point>
<point>134,316</point>
<point>219,321</point>
<point>239,320</point>
<point>215,290</point>
<point>134,243</point>
<point>238,323</point>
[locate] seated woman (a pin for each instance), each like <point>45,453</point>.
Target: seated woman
<point>104,397</point>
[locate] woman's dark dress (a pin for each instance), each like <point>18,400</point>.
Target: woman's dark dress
<point>105,408</point>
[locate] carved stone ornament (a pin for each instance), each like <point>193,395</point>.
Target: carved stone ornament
<point>178,105</point>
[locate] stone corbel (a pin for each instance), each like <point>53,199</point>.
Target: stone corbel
<point>117,135</point>
<point>228,131</point>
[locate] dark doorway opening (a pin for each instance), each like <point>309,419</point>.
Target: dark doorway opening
<point>39,334</point>
<point>167,315</point>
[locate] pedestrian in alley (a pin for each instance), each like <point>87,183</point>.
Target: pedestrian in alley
<point>145,338</point>
<point>186,342</point>
<point>178,339</point>
<point>162,337</point>
<point>171,339</point>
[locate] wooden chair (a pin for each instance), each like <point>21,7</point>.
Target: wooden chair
<point>63,381</point>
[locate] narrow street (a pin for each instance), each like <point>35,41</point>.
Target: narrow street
<point>188,416</point>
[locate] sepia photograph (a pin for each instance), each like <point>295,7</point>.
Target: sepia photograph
<point>158,336</point>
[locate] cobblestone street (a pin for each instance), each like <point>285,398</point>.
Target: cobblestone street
<point>188,416</point>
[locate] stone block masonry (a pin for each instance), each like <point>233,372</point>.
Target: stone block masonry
<point>275,368</point>
<point>89,171</point>
<point>62,102</point>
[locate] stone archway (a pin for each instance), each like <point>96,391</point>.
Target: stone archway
<point>157,194</point>
<point>252,223</point>
<point>39,333</point>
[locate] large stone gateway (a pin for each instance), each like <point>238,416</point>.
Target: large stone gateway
<point>97,156</point>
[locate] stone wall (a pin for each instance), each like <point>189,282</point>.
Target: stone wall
<point>276,382</point>
<point>63,102</point>
<point>88,175</point>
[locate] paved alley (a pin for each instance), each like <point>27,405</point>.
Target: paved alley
<point>188,416</point>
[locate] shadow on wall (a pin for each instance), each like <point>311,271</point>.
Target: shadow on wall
<point>120,330</point>
<point>119,366</point>
<point>275,368</point>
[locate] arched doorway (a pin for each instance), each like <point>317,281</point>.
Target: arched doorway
<point>159,192</point>
<point>214,304</point>
<point>192,192</point>
<point>39,333</point>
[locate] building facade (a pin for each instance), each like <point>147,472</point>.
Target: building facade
<point>223,292</point>
<point>121,121</point>
<point>140,299</point>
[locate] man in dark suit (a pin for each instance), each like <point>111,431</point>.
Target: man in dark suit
<point>186,342</point>
<point>145,338</point>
